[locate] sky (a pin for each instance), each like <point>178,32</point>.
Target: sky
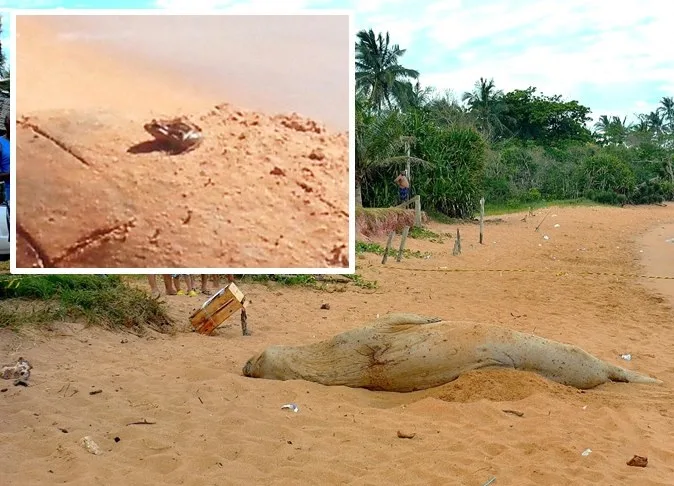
<point>614,57</point>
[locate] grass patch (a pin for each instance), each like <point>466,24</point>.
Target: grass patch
<point>377,249</point>
<point>518,207</point>
<point>441,217</point>
<point>301,279</point>
<point>102,301</point>
<point>317,282</point>
<point>425,234</point>
<point>359,281</point>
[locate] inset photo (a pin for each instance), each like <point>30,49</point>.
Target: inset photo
<point>156,140</point>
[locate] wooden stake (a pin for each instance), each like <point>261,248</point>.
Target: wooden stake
<point>457,244</point>
<point>388,246</point>
<point>417,211</point>
<point>244,322</point>
<point>539,224</point>
<point>406,230</point>
<point>481,220</point>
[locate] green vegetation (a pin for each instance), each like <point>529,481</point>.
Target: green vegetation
<point>96,300</point>
<point>377,249</point>
<point>292,280</point>
<point>518,149</point>
<point>425,234</point>
<point>314,281</point>
<point>518,207</point>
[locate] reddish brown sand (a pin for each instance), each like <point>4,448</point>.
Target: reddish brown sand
<point>261,191</point>
<point>213,426</point>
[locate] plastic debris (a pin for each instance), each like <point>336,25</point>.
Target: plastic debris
<point>91,446</point>
<point>626,357</point>
<point>290,406</point>
<point>586,452</point>
<point>546,237</point>
<point>491,481</point>
<point>557,225</point>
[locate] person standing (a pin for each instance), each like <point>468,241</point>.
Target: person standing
<point>4,167</point>
<point>168,284</point>
<point>5,160</point>
<point>403,184</point>
<point>215,280</point>
<point>189,282</point>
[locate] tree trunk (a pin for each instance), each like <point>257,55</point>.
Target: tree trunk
<point>359,195</point>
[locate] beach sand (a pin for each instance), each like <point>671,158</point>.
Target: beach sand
<point>213,426</point>
<point>263,189</point>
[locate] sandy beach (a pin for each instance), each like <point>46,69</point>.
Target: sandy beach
<point>591,283</point>
<point>268,187</point>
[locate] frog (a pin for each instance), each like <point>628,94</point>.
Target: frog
<point>179,135</point>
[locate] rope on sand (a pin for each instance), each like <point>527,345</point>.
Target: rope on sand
<point>529,270</point>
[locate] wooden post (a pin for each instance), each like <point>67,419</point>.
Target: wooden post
<point>417,211</point>
<point>388,246</point>
<point>481,220</point>
<point>244,322</point>
<point>406,230</point>
<point>408,166</point>
<point>457,244</point>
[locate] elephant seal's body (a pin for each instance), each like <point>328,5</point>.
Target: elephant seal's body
<point>407,352</point>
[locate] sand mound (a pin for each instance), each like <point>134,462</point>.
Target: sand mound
<point>499,385</point>
<point>94,190</point>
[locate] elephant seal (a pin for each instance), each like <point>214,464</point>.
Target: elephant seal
<point>408,352</point>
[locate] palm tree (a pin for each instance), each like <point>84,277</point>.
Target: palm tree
<point>613,130</point>
<point>416,97</point>
<point>656,122</point>
<point>603,123</point>
<point>379,137</point>
<point>641,126</point>
<point>378,73</point>
<point>666,110</point>
<point>446,111</point>
<point>486,104</point>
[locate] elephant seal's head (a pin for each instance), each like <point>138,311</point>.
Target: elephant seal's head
<point>277,363</point>
<point>269,364</point>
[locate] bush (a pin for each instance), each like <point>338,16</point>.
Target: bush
<point>97,300</point>
<point>653,191</point>
<point>603,173</point>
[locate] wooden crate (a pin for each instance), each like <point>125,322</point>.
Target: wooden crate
<point>217,309</point>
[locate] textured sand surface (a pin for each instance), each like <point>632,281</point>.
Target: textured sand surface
<point>214,426</point>
<point>262,190</point>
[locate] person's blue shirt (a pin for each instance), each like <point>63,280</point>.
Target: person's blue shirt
<point>4,163</point>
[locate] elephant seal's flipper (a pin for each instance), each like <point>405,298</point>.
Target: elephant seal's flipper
<point>622,375</point>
